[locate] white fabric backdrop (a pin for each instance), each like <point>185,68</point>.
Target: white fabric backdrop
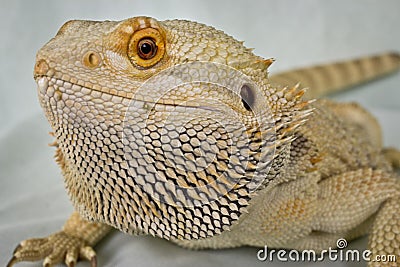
<point>32,198</point>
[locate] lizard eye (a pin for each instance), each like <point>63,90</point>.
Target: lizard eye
<point>146,47</point>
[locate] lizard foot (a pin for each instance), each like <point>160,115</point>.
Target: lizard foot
<point>54,249</point>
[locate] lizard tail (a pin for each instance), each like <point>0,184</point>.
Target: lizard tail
<point>331,78</point>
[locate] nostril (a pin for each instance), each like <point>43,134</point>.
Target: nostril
<point>91,59</point>
<point>41,67</point>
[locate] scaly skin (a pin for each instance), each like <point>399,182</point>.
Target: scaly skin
<point>186,139</point>
<point>327,79</point>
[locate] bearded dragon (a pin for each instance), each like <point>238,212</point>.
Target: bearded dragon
<point>174,129</point>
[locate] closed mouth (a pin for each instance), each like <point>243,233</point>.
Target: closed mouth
<point>45,82</point>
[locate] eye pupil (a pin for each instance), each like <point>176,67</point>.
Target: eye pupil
<point>147,48</point>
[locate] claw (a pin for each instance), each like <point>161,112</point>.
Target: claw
<point>89,254</point>
<point>93,261</point>
<point>12,262</point>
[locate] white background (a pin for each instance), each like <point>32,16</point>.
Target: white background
<point>32,198</point>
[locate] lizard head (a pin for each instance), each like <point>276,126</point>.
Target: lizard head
<point>167,128</point>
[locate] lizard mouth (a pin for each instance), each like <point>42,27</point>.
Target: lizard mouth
<point>45,83</point>
<point>51,87</point>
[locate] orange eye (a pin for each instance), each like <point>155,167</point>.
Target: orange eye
<point>146,47</point>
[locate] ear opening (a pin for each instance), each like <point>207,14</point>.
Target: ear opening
<point>248,97</point>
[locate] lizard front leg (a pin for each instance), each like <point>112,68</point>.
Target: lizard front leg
<point>74,241</point>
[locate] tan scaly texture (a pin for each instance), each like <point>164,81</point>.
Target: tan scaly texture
<point>173,129</point>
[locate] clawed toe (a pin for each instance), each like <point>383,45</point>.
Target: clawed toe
<point>54,249</point>
<point>30,250</point>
